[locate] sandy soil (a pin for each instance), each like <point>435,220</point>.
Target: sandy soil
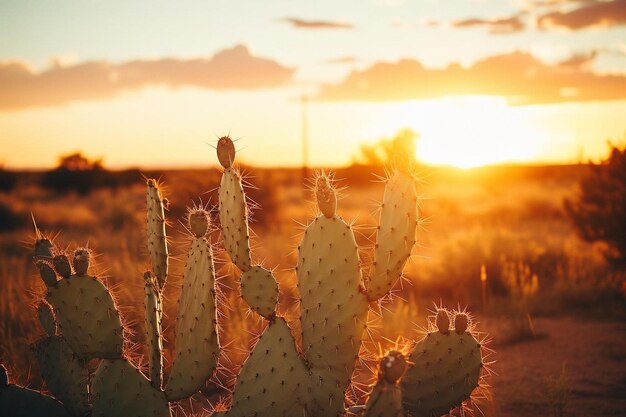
<point>594,356</point>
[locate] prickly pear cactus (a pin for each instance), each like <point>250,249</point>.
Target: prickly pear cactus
<point>197,345</point>
<point>386,398</point>
<point>259,290</point>
<point>16,401</point>
<point>446,367</point>
<point>86,313</point>
<point>65,375</point>
<point>153,309</point>
<point>232,208</point>
<point>46,318</point>
<point>396,234</point>
<point>157,238</point>
<point>333,306</point>
<point>120,389</point>
<point>274,380</point>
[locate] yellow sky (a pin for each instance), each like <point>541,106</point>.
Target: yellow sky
<point>523,82</point>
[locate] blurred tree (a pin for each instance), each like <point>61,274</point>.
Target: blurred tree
<point>78,173</point>
<point>599,213</point>
<point>8,180</point>
<point>78,162</point>
<point>401,147</point>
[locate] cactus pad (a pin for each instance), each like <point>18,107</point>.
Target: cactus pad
<point>157,238</point>
<point>260,290</point>
<point>119,389</point>
<point>153,309</point>
<point>64,374</point>
<point>333,308</point>
<point>234,219</point>
<point>87,317</point>
<point>446,369</point>
<point>396,234</point>
<point>273,381</point>
<point>46,318</point>
<point>197,345</point>
<point>385,401</point>
<point>23,402</point>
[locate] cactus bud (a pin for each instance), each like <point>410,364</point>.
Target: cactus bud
<point>443,321</point>
<point>43,248</point>
<point>460,323</point>
<point>198,222</point>
<point>81,261</point>
<point>62,265</point>
<point>326,198</point>
<point>225,151</point>
<point>392,367</point>
<point>4,377</point>
<point>47,274</point>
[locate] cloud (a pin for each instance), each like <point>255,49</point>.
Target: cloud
<point>596,14</point>
<point>342,60</point>
<point>497,26</point>
<point>519,77</point>
<point>316,24</point>
<point>235,68</point>
<point>579,60</point>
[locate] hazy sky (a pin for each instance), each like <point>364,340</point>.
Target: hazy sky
<point>151,83</point>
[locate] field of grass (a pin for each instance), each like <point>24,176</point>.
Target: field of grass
<point>508,222</point>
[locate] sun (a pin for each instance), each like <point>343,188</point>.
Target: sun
<point>470,131</point>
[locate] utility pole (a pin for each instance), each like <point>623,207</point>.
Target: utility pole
<point>305,137</point>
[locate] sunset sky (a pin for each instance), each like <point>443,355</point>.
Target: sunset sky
<point>150,83</point>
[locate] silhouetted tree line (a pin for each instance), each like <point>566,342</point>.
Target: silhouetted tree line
<point>600,211</point>
<point>77,173</point>
<point>8,180</point>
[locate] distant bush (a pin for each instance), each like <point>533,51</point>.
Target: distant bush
<point>8,180</point>
<point>9,220</point>
<point>77,173</point>
<point>599,214</point>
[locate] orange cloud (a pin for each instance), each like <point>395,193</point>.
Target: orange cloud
<point>316,24</point>
<point>519,77</point>
<point>596,14</point>
<point>236,68</point>
<point>496,26</point>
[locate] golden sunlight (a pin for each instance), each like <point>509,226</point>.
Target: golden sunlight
<point>470,131</point>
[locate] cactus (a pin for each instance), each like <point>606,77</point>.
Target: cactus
<point>278,378</point>
<point>120,389</point>
<point>154,310</point>
<point>197,344</point>
<point>157,238</point>
<point>446,368</point>
<point>16,401</point>
<point>86,313</point>
<point>333,305</point>
<point>274,381</point>
<point>65,375</point>
<point>232,208</point>
<point>386,397</point>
